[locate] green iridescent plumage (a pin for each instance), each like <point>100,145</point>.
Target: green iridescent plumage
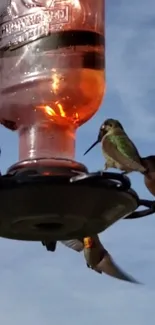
<point>118,150</point>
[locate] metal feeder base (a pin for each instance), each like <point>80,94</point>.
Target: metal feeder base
<point>58,207</point>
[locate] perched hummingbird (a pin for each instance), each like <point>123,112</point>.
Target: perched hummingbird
<point>97,257</point>
<point>149,177</point>
<point>118,150</point>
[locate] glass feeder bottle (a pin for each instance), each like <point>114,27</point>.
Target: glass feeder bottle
<point>52,59</point>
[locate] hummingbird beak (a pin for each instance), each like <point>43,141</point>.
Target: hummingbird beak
<point>99,139</point>
<point>92,146</point>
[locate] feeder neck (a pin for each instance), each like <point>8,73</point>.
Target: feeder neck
<point>46,140</point>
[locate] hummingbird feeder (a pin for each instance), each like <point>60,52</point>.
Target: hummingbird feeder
<point>52,58</point>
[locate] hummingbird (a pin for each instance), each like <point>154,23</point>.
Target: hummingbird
<point>118,150</point>
<point>149,177</point>
<point>97,257</point>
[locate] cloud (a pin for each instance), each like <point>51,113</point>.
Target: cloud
<point>130,63</point>
<point>130,75</point>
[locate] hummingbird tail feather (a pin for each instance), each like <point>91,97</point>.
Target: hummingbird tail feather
<point>97,270</point>
<point>108,266</point>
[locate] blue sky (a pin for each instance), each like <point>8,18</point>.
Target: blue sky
<point>38,287</point>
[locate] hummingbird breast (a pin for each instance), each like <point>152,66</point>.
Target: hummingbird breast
<point>92,256</point>
<point>121,153</point>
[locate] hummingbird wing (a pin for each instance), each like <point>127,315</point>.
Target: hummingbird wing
<point>77,244</point>
<point>122,150</point>
<point>109,267</point>
<point>74,244</point>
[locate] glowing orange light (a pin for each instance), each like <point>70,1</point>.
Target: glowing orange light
<point>55,84</point>
<point>50,111</point>
<point>62,113</point>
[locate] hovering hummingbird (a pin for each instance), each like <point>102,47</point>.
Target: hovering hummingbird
<point>118,150</point>
<point>97,257</point>
<point>149,177</point>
